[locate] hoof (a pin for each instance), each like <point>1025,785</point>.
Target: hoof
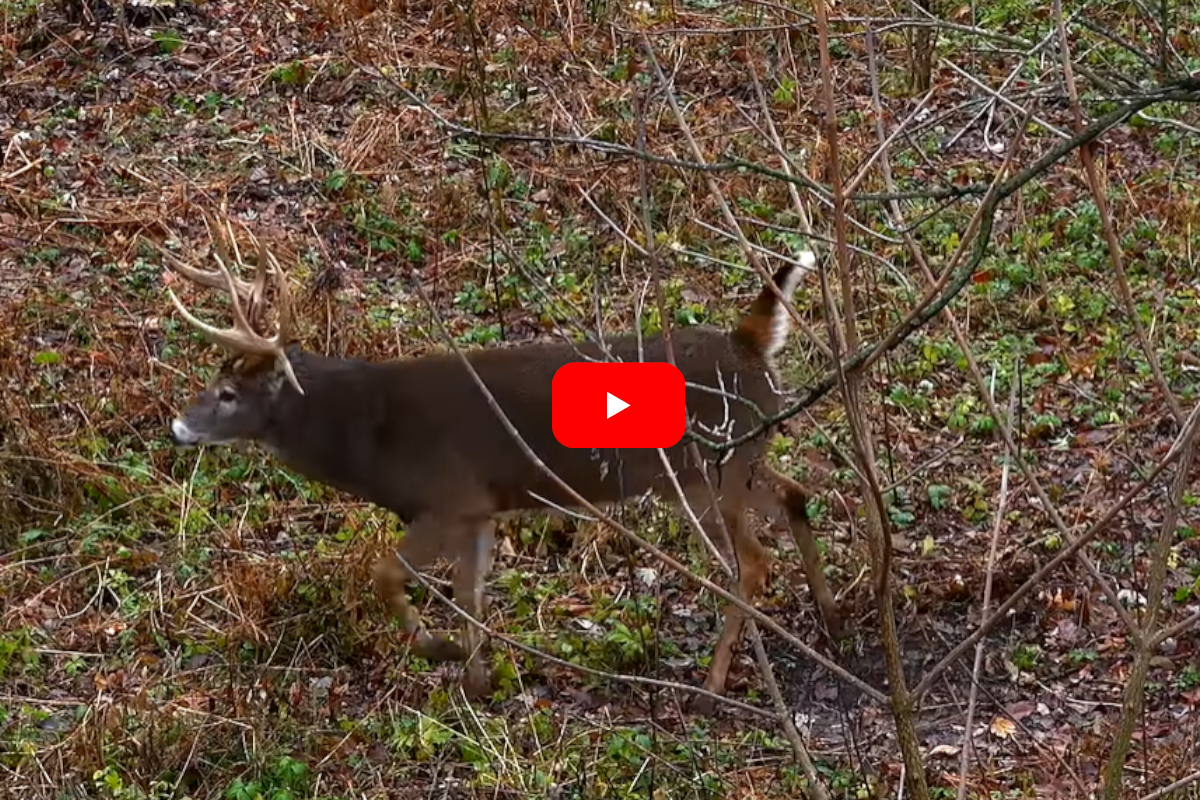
<point>703,705</point>
<point>477,683</point>
<point>840,631</point>
<point>439,648</point>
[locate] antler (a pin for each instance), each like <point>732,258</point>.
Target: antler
<point>241,338</point>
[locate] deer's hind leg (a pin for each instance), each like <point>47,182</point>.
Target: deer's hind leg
<point>751,562</point>
<point>775,491</point>
<point>425,540</point>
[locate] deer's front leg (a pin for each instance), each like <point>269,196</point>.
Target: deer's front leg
<point>422,545</point>
<point>474,563</point>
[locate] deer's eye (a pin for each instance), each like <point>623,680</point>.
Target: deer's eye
<point>226,395</point>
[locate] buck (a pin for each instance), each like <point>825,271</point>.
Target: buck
<point>417,437</point>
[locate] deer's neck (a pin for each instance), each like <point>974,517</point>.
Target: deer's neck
<point>310,432</point>
<point>341,431</point>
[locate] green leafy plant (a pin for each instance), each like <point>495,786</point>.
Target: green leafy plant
<point>286,779</point>
<point>168,40</point>
<point>940,495</point>
<point>293,73</point>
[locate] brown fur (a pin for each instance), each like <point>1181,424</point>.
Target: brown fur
<point>416,436</point>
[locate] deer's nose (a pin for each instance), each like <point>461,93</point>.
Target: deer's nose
<point>182,434</point>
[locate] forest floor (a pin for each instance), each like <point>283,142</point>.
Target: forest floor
<point>201,623</point>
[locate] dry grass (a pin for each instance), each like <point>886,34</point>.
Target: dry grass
<point>181,624</point>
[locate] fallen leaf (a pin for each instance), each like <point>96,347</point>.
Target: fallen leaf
<point>1002,727</point>
<point>1021,709</point>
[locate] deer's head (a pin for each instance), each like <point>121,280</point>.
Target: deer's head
<point>236,404</point>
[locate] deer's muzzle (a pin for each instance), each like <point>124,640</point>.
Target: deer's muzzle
<point>181,434</point>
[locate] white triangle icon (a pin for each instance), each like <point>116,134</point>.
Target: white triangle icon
<point>615,405</point>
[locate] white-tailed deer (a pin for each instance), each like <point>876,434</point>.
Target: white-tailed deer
<point>417,436</point>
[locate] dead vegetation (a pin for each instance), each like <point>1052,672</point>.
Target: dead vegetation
<point>179,625</point>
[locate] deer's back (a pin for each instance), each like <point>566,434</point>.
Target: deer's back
<point>429,440</point>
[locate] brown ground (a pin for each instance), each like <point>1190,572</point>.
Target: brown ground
<point>175,625</point>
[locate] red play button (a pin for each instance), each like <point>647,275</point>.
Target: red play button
<point>603,404</point>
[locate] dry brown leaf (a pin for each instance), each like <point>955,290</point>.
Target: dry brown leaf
<point>948,750</point>
<point>1002,727</point>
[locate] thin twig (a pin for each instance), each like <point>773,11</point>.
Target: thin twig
<point>1171,788</point>
<point>1115,255</point>
<point>1134,695</point>
<point>480,625</point>
<point>968,746</point>
<point>723,206</point>
<point>844,338</point>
